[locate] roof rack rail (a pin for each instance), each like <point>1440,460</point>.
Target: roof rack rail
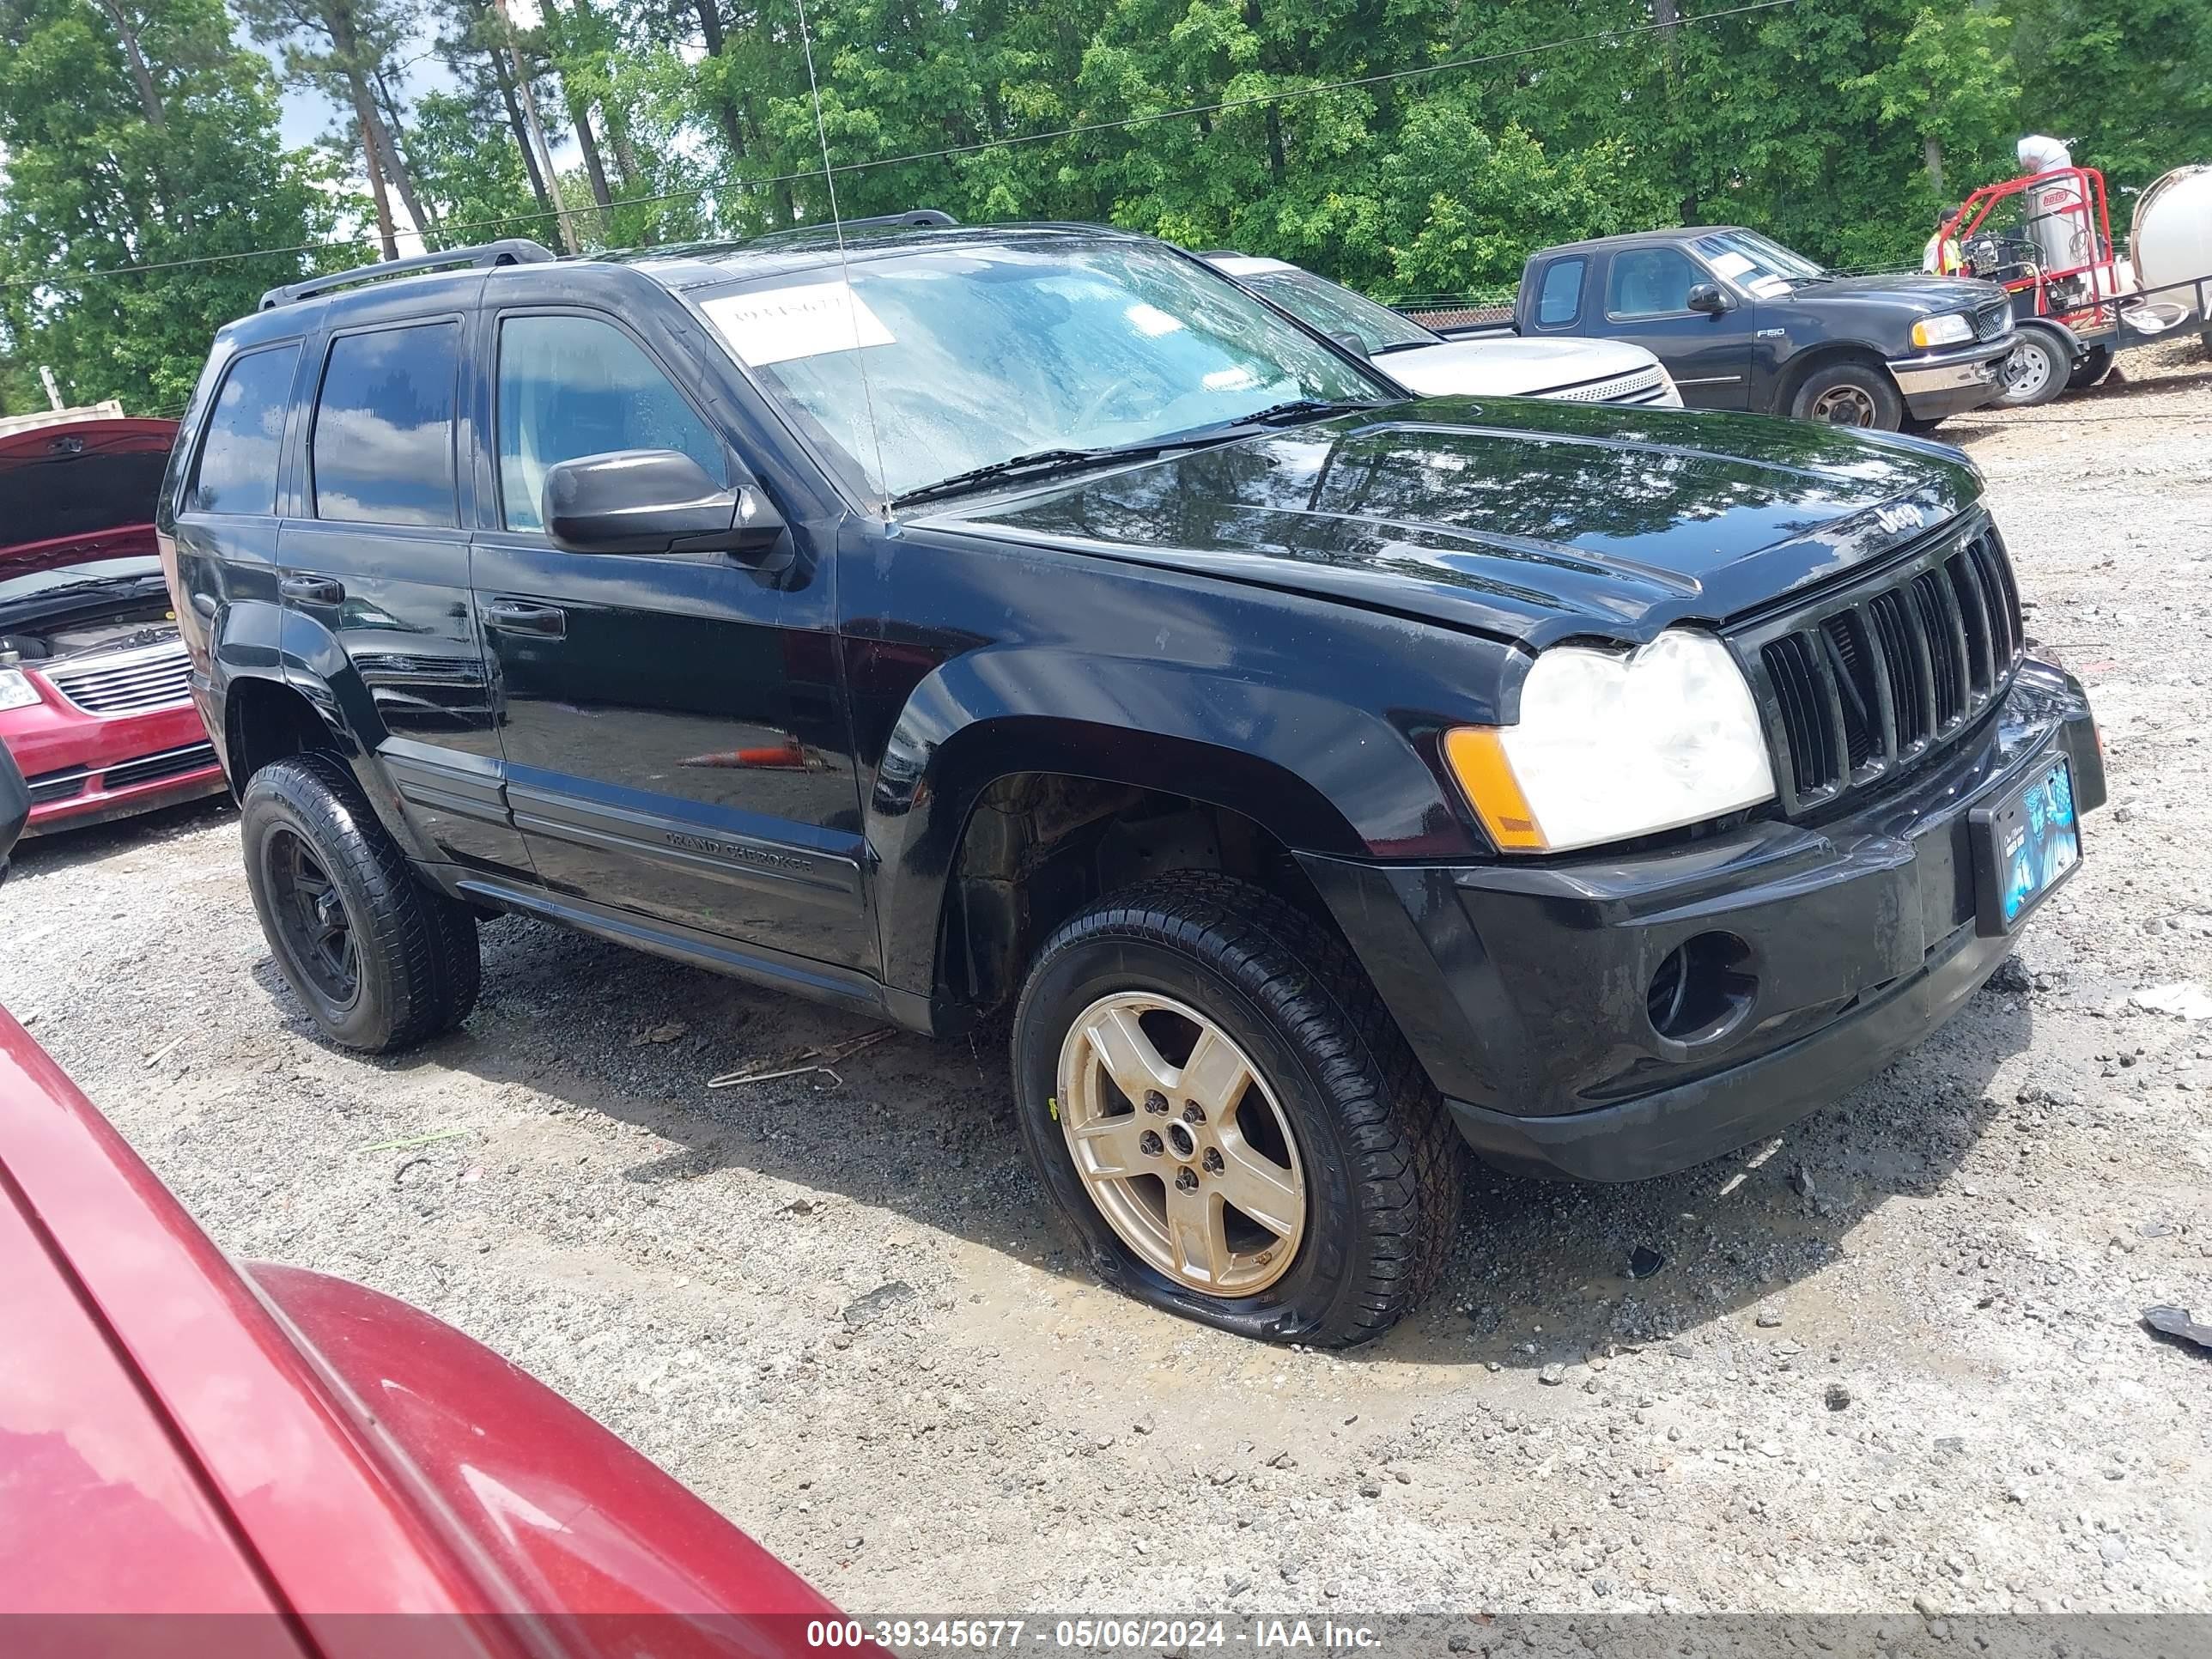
<point>510,250</point>
<point>913,219</point>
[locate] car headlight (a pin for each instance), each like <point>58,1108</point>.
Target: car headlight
<point>1611,744</point>
<point>1952,330</point>
<point>16,690</point>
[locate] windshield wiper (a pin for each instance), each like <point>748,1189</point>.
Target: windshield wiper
<point>1304,408</point>
<point>91,582</point>
<point>1045,462</point>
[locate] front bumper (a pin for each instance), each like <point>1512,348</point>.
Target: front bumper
<point>1522,987</point>
<point>86,768</point>
<point>1951,381</point>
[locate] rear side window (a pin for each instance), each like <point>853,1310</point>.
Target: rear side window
<point>246,435</point>
<point>1650,282</point>
<point>568,387</point>
<point>383,446</point>
<point>1560,300</point>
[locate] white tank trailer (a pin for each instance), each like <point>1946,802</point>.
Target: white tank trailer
<point>2170,245</point>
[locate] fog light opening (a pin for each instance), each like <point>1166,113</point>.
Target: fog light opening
<point>1701,989</point>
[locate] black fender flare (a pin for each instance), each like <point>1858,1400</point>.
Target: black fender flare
<point>316,667</point>
<point>1263,749</point>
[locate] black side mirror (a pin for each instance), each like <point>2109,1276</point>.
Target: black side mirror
<point>1710,298</point>
<point>1352,343</point>
<point>654,501</point>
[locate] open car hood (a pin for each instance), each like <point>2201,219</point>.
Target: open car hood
<point>1534,522</point>
<point>79,489</point>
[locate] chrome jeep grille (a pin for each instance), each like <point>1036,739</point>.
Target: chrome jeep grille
<point>1644,386</point>
<point>1871,681</point>
<point>131,682</point>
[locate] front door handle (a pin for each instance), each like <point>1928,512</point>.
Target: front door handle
<point>313,590</point>
<point>547,621</point>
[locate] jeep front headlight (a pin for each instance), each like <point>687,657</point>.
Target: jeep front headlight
<point>1615,743</point>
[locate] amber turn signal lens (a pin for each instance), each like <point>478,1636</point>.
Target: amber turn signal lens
<point>1478,761</point>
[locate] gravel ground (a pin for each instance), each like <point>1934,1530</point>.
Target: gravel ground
<point>1890,1361</point>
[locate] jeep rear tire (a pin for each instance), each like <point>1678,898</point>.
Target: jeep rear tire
<point>382,961</point>
<point>1227,1119</point>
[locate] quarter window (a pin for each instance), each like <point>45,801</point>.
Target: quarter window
<point>1560,300</point>
<point>571,386</point>
<point>383,446</point>
<point>246,435</point>
<point>1650,282</point>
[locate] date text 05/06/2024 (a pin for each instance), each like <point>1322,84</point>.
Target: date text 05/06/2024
<point>1090,1635</point>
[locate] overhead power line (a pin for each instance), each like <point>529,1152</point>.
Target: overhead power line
<point>1288,94</point>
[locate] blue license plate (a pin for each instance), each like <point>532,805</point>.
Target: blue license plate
<point>2025,844</point>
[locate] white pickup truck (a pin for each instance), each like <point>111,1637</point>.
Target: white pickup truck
<point>1582,371</point>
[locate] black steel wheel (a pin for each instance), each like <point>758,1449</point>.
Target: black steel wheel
<point>2091,367</point>
<point>381,961</point>
<point>311,913</point>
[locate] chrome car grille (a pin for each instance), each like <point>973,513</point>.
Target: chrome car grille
<point>1645,386</point>
<point>126,682</point>
<point>1993,320</point>
<point>1873,680</point>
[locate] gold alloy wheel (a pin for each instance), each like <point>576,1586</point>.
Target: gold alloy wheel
<point>1181,1145</point>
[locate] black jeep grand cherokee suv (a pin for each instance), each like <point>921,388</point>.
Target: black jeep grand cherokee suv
<point>1031,619</point>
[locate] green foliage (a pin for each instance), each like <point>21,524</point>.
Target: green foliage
<point>100,174</point>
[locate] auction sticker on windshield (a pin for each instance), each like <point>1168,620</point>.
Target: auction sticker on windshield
<point>807,320</point>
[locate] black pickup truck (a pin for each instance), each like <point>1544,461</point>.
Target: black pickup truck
<point>1029,619</point>
<point>1741,322</point>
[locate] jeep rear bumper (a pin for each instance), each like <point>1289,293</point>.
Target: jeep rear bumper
<point>1524,987</point>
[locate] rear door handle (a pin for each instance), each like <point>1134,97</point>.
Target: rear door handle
<point>547,621</point>
<point>313,590</point>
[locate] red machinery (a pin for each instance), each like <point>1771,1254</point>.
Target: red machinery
<point>2076,303</point>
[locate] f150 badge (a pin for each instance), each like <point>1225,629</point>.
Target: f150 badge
<point>1902,516</point>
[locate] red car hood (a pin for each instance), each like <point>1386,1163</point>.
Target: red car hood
<point>178,1437</point>
<point>80,490</point>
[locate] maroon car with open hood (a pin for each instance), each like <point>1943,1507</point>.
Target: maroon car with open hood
<point>92,701</point>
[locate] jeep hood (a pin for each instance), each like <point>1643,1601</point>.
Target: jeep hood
<point>77,488</point>
<point>1536,523</point>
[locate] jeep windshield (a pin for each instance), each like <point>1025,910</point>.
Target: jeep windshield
<point>932,369</point>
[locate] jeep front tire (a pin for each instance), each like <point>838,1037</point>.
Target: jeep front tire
<point>1226,1119</point>
<point>382,961</point>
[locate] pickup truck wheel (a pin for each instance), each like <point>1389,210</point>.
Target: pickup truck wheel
<point>2091,367</point>
<point>1226,1117</point>
<point>2035,372</point>
<point>382,961</point>
<point>1849,394</point>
